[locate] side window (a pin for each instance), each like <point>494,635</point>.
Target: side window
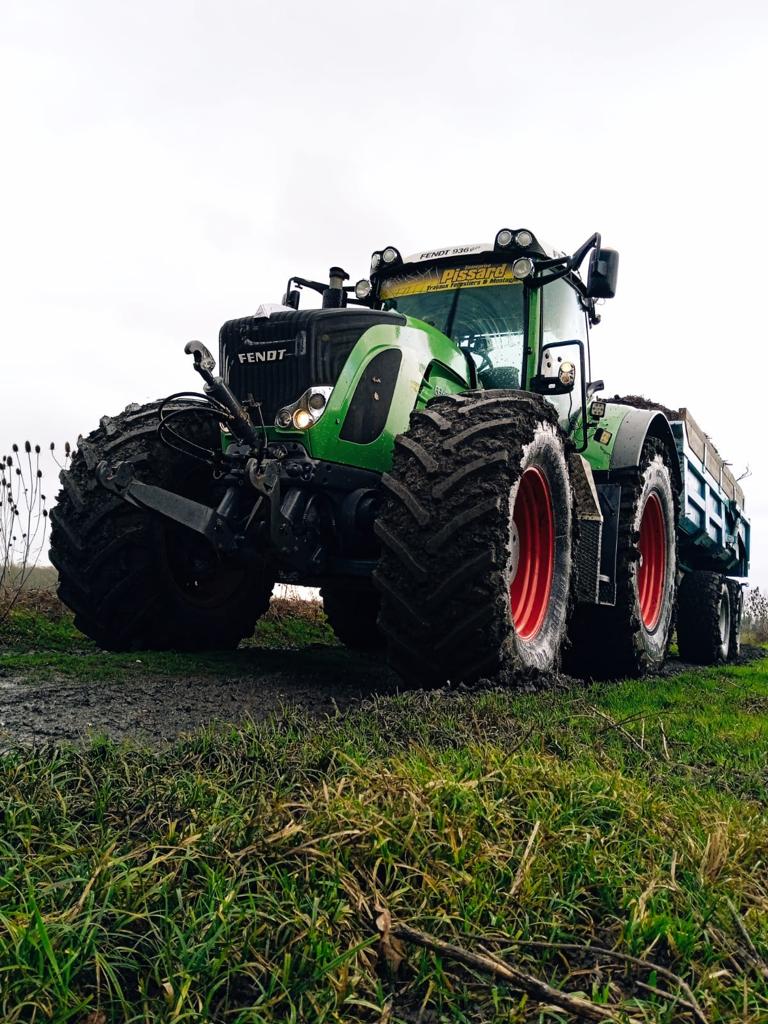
<point>563,319</point>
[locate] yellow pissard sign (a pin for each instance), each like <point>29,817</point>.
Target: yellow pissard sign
<point>441,280</point>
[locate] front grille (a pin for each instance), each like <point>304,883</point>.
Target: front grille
<point>273,360</point>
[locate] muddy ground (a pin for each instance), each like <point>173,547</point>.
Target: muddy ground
<point>157,708</point>
<point>43,705</point>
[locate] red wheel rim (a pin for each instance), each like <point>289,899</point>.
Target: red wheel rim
<point>529,591</point>
<point>653,565</point>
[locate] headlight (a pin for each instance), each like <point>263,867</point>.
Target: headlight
<point>302,418</point>
<point>304,413</point>
<point>522,268</point>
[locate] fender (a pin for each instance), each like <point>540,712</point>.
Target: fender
<point>635,427</point>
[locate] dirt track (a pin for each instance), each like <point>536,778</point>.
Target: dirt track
<point>156,708</point>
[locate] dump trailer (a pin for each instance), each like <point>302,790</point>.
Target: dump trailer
<point>430,448</point>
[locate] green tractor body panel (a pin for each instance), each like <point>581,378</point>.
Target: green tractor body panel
<point>430,365</point>
<point>533,341</point>
<point>602,435</point>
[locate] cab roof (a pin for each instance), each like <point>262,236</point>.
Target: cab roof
<point>474,249</point>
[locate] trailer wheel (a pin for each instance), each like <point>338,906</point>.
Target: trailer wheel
<point>352,612</point>
<point>632,637</point>
<point>135,580</point>
<point>737,607</point>
<point>476,534</point>
<point>704,618</point>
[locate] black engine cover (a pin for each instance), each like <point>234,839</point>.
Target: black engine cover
<point>275,359</point>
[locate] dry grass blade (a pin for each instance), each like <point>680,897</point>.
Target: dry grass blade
<point>664,740</point>
<point>525,861</point>
<point>540,990</point>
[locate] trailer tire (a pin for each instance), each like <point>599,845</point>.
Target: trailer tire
<point>632,637</point>
<point>704,618</point>
<point>736,592</point>
<point>135,580</point>
<point>352,612</point>
<point>476,532</point>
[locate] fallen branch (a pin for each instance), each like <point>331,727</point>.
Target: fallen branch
<point>521,980</point>
<point>613,724</point>
<point>751,953</point>
<point>648,965</point>
<point>676,1000</point>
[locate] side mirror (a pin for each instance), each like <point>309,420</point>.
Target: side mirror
<point>291,298</point>
<point>603,271</point>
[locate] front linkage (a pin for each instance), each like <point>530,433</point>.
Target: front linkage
<point>223,526</point>
<point>281,474</point>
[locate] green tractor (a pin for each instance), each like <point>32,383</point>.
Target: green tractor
<point>429,449</point>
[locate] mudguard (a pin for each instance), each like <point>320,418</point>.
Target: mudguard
<point>615,441</point>
<point>635,427</point>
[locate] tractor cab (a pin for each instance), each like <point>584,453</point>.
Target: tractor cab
<point>518,310</point>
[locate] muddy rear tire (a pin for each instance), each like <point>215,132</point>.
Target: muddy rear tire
<point>353,612</point>
<point>475,573</point>
<point>135,580</point>
<point>704,618</point>
<point>632,637</point>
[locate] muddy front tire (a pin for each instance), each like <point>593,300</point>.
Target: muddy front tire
<point>632,637</point>
<point>476,534</point>
<point>134,579</point>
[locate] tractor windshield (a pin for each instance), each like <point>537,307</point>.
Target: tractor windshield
<point>480,307</point>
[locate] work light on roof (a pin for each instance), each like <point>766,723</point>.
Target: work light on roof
<point>504,238</point>
<point>523,267</point>
<point>375,260</point>
<point>389,255</point>
<point>363,288</point>
<point>523,238</point>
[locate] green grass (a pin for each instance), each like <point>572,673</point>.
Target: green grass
<point>43,646</point>
<point>234,877</point>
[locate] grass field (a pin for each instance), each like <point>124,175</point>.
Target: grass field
<point>236,876</point>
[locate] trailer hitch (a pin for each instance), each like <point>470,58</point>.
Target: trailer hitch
<point>212,523</point>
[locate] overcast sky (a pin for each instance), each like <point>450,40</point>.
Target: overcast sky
<point>166,166</point>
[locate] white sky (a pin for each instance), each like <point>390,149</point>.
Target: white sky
<point>167,166</point>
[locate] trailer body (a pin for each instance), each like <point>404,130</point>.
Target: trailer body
<point>714,530</point>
